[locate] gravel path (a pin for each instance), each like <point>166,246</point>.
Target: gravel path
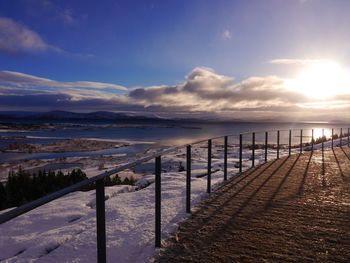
<point>295,209</point>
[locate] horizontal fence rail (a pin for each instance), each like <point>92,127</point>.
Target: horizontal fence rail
<point>259,142</point>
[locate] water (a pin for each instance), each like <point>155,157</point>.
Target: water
<point>176,133</point>
<point>129,150</point>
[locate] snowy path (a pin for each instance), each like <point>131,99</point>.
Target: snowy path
<point>284,211</point>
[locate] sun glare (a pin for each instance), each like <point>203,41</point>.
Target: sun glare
<point>319,133</point>
<point>321,80</point>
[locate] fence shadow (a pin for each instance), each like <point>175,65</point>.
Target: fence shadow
<point>338,163</point>
<point>254,192</point>
<point>229,188</point>
<point>302,182</point>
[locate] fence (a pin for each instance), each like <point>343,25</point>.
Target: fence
<point>259,142</point>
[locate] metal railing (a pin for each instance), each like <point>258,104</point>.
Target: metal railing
<point>251,144</point>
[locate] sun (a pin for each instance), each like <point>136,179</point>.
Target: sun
<point>321,80</point>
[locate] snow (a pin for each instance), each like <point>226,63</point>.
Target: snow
<point>64,230</point>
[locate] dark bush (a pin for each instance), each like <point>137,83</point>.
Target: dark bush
<point>22,186</point>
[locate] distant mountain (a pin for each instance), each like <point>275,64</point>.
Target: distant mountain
<point>99,115</point>
<point>67,115</point>
<point>106,116</point>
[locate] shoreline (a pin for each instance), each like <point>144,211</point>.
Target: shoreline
<point>64,145</point>
<point>92,165</point>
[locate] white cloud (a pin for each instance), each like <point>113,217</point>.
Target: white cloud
<point>25,81</point>
<point>297,61</point>
<point>17,38</point>
<point>205,90</point>
<point>203,93</point>
<point>67,17</point>
<point>226,34</point>
<point>335,104</point>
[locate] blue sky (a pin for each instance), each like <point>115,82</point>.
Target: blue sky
<point>153,44</point>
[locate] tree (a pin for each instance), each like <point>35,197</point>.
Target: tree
<point>2,196</point>
<point>22,186</point>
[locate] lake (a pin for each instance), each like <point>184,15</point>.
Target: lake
<point>154,135</point>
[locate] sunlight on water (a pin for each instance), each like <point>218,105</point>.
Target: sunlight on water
<point>181,141</point>
<point>318,133</point>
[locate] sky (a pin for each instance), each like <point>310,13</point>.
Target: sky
<point>251,59</point>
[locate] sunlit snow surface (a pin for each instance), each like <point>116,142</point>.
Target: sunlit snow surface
<point>64,230</point>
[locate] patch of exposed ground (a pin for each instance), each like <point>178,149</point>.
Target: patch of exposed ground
<point>294,209</point>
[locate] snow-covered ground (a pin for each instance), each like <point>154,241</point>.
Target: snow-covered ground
<point>64,230</point>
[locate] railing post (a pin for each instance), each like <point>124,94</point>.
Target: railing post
<point>341,137</point>
<point>301,141</point>
<point>100,221</point>
<point>312,140</point>
<point>322,141</point>
<point>266,143</point>
<point>332,136</point>
<point>253,149</point>
<point>290,142</point>
<point>188,179</point>
<point>158,201</point>
<point>278,144</point>
<point>240,152</point>
<point>209,168</point>
<point>225,158</point>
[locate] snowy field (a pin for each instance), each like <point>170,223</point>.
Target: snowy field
<point>64,230</point>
